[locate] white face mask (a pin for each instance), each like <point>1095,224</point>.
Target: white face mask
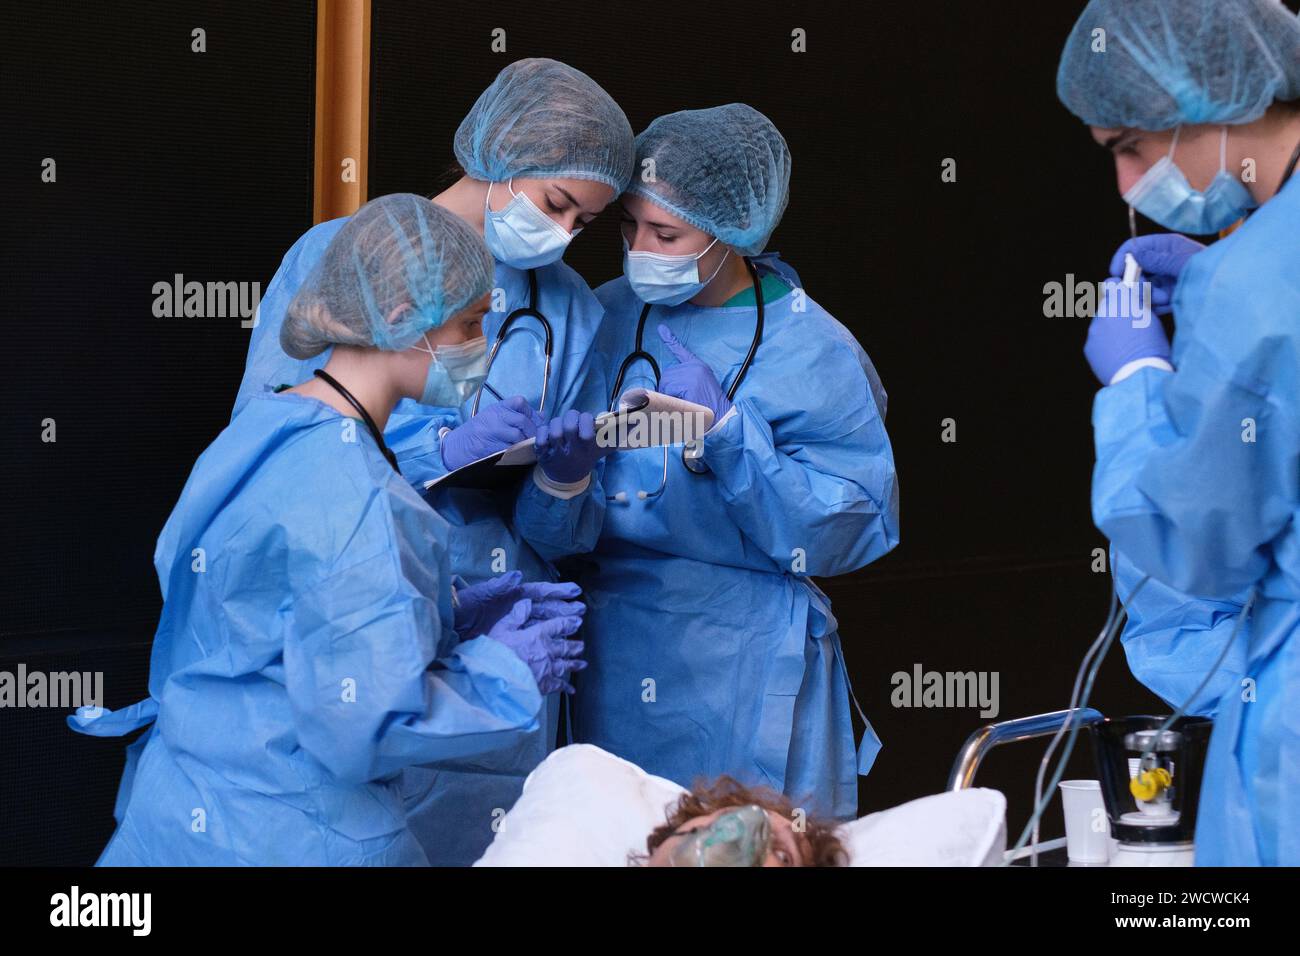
<point>666,280</point>
<point>455,372</point>
<point>521,235</point>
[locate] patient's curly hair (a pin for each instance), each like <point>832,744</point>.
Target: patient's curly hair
<point>821,846</point>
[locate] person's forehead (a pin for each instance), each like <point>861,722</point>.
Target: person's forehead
<point>641,208</point>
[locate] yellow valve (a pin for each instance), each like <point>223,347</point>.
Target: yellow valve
<point>1149,784</point>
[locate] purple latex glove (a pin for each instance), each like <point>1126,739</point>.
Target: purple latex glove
<point>496,427</point>
<point>542,646</point>
<point>1162,257</point>
<point>1121,331</point>
<point>691,378</point>
<point>480,606</point>
<point>566,446</point>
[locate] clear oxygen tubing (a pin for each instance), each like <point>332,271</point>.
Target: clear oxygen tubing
<point>1109,631</point>
<point>1078,698</point>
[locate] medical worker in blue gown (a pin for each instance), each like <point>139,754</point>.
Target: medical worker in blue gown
<point>710,649</point>
<point>1197,479</point>
<point>543,150</point>
<point>308,651</point>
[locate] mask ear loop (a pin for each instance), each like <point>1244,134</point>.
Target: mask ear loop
<point>718,269</point>
<point>428,349</point>
<point>1174,145</point>
<point>1223,151</point>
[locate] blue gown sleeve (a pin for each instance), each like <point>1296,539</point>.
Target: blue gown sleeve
<point>559,527</point>
<point>413,435</point>
<point>1196,469</point>
<point>1172,640</point>
<point>369,699</point>
<point>821,481</point>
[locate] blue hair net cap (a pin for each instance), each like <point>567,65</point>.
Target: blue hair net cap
<point>544,118</point>
<point>725,170</point>
<point>399,267</point>
<point>1170,62</point>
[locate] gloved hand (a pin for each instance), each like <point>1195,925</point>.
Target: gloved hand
<point>692,379</point>
<point>1114,340</point>
<point>496,427</point>
<point>480,606</point>
<point>1162,257</point>
<point>542,646</point>
<point>566,446</point>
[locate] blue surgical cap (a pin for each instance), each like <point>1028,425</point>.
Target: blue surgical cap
<point>544,118</point>
<point>398,268</point>
<point>1170,62</point>
<point>725,170</point>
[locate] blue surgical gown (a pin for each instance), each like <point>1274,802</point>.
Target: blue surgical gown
<point>1197,481</point>
<point>454,813</point>
<point>1172,640</point>
<point>303,661</point>
<point>710,650</point>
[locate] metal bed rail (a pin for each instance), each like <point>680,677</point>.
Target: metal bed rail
<point>989,736</point>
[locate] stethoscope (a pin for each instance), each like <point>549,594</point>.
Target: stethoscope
<point>375,433</point>
<point>692,451</point>
<point>527,311</point>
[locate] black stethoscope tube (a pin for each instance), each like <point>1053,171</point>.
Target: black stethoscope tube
<point>375,433</point>
<point>548,349</point>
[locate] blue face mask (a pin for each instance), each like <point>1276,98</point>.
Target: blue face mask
<point>1163,194</point>
<point>455,372</point>
<point>666,280</point>
<point>521,235</point>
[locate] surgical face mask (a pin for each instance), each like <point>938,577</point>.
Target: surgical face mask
<point>521,235</point>
<point>455,372</point>
<point>666,280</point>
<point>739,838</point>
<point>1163,194</point>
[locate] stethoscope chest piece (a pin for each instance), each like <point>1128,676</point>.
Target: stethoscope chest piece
<point>693,457</point>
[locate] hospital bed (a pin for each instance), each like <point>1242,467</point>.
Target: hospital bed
<point>583,806</point>
<point>586,807</point>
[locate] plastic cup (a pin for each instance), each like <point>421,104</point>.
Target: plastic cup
<point>1087,831</point>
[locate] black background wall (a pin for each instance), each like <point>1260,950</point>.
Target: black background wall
<point>175,162</point>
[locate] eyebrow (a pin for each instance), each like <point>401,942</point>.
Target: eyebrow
<point>664,226</point>
<point>569,196</point>
<point>1117,139</point>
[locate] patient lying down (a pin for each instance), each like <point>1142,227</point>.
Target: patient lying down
<point>725,823</point>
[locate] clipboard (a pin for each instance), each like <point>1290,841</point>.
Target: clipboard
<point>634,425</point>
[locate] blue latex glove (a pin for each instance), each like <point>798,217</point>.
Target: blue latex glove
<point>1122,331</point>
<point>480,606</point>
<point>496,427</point>
<point>1162,257</point>
<point>542,645</point>
<point>691,378</point>
<point>566,446</point>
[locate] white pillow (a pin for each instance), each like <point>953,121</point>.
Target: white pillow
<point>583,806</point>
<point>960,828</point>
